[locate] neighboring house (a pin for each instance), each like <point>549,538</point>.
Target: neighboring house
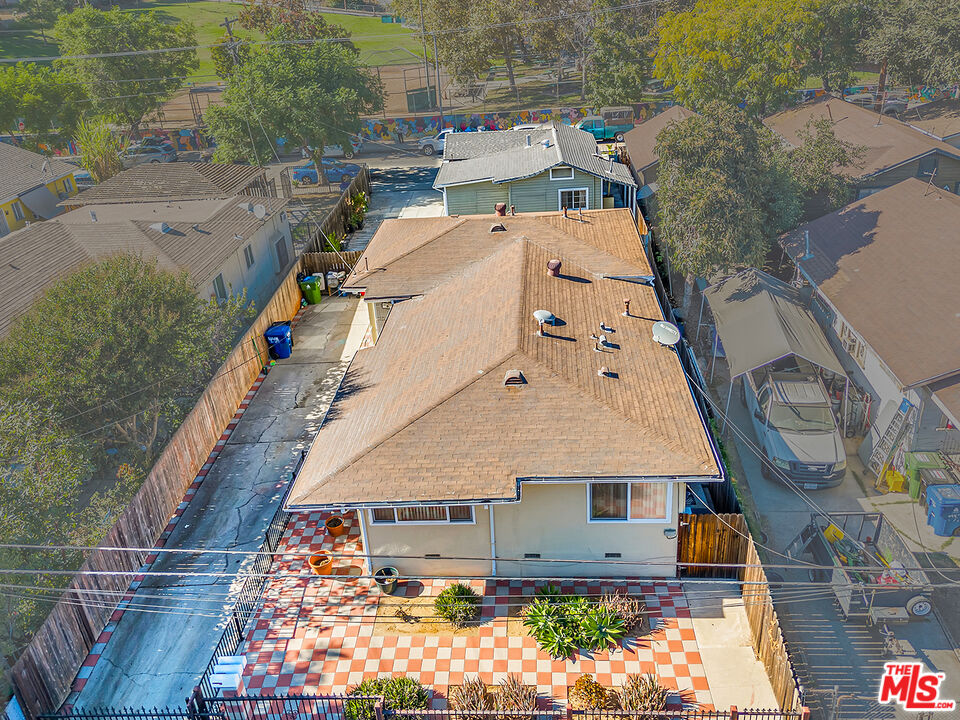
<point>176,181</point>
<point>31,186</point>
<point>641,145</point>
<point>940,118</point>
<point>894,151</point>
<point>464,433</point>
<point>225,246</point>
<point>532,171</point>
<point>884,270</point>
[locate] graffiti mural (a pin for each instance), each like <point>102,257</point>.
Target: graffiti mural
<point>921,94</point>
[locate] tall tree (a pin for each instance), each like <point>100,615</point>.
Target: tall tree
<point>309,94</point>
<point>115,349</point>
<point>919,40</point>
<point>621,62</point>
<point>743,52</point>
<point>45,12</point>
<point>818,165</point>
<point>294,17</point>
<point>833,41</point>
<point>725,190</point>
<point>135,81</point>
<point>42,98</point>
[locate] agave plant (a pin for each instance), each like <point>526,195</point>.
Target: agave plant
<point>472,695</point>
<point>513,695</point>
<point>557,642</point>
<point>643,693</point>
<point>602,628</point>
<point>540,615</point>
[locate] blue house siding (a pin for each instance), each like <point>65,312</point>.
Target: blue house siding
<point>475,198</point>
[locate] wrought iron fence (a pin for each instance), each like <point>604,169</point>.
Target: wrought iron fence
<point>449,714</point>
<point>292,707</point>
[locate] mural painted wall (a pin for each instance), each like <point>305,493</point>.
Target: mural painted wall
<point>182,140</point>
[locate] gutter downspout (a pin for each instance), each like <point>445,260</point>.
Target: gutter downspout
<point>493,543</point>
<point>368,566</point>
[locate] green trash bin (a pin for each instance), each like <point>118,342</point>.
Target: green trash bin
<point>916,461</point>
<point>312,288</point>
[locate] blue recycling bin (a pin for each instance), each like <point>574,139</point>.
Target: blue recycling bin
<point>943,509</point>
<point>279,337</point>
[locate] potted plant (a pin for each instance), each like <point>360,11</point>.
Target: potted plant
<point>335,525</point>
<point>386,579</point>
<point>321,564</point>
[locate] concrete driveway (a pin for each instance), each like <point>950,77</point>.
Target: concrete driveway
<point>157,654</point>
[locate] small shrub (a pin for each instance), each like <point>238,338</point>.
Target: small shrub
<point>472,695</point>
<point>513,695</point>
<point>630,610</point>
<point>588,694</point>
<point>458,603</point>
<point>562,624</point>
<point>643,693</point>
<point>399,693</point>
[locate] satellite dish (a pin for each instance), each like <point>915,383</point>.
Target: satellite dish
<point>666,333</point>
<point>259,211</point>
<point>246,206</point>
<point>544,316</point>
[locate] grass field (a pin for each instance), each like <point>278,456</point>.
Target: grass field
<point>379,43</point>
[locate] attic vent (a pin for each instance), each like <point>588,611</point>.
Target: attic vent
<point>514,377</point>
<point>545,142</point>
<point>531,556</point>
<point>498,227</point>
<point>160,227</point>
<point>432,556</point>
<point>612,556</point>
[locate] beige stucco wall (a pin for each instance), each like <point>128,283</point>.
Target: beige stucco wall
<point>550,519</point>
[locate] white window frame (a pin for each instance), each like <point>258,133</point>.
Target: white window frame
<point>248,257</point>
<point>851,342</point>
<point>669,504</point>
<point>18,213</point>
<point>571,190</point>
<point>404,523</point>
<point>67,185</point>
<point>561,177</point>
<point>216,290</point>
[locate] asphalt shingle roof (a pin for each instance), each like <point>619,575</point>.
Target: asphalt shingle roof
<point>424,416</point>
<point>171,181</point>
<point>22,170</point>
<point>641,142</point>
<point>503,156</point>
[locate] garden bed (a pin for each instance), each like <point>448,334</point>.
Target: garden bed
<point>417,616</point>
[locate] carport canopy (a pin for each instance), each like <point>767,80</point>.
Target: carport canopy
<point>761,319</point>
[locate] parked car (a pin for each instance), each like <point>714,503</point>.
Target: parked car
<point>529,126</point>
<point>135,155</point>
<point>892,105</point>
<point>794,423</point>
<point>149,142</point>
<point>610,124</point>
<point>83,179</point>
<point>335,170</point>
<point>434,145</point>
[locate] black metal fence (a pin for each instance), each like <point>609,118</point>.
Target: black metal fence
<point>687,714</point>
<point>248,598</point>
<point>293,707</point>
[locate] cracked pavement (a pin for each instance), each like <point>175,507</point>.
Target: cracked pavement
<point>158,652</point>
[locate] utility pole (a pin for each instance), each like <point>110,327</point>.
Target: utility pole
<point>423,40</point>
<point>436,78</point>
<point>232,45</point>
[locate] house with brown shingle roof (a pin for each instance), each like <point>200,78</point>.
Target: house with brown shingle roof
<point>226,246</point>
<point>894,151</point>
<point>471,432</point>
<point>940,119</point>
<point>884,272</point>
<point>641,143</point>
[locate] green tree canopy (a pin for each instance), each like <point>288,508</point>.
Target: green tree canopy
<point>308,94</point>
<point>44,13</point>
<point>919,39</point>
<point>43,98</point>
<point>751,53</point>
<point>833,41</point>
<point>128,87</point>
<point>725,190</point>
<point>621,62</point>
<point>817,166</point>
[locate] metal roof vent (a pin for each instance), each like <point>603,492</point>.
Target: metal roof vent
<point>546,142</point>
<point>160,227</point>
<point>514,377</point>
<point>529,140</point>
<point>553,268</point>
<point>498,227</point>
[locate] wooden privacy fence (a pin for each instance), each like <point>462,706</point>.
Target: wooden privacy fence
<point>712,539</point>
<point>338,216</point>
<point>44,671</point>
<point>323,262</point>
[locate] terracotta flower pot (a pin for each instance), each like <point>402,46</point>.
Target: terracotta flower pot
<point>335,526</point>
<point>321,564</point>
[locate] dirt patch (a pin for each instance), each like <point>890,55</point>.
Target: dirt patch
<point>416,616</point>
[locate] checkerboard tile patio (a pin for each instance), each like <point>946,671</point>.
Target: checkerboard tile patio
<point>315,634</point>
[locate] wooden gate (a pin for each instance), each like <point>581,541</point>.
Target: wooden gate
<point>719,538</point>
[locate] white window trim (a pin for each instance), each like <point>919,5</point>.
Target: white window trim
<point>640,521</point>
<point>572,189</point>
<point>562,167</point>
<point>248,256</point>
<point>216,290</point>
<point>67,185</point>
<point>404,523</point>
<point>18,213</point>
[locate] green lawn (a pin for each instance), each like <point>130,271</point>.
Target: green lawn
<point>379,43</point>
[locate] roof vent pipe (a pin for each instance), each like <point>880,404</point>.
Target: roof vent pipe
<point>529,140</point>
<point>553,268</point>
<point>807,255</point>
<point>564,210</point>
<point>603,371</point>
<point>500,209</point>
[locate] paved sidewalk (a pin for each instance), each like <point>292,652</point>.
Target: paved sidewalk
<point>157,650</point>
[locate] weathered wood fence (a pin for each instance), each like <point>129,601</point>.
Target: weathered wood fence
<point>323,262</point>
<point>725,538</point>
<point>339,215</point>
<point>44,671</point>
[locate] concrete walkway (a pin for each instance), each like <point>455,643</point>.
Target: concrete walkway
<point>160,647</point>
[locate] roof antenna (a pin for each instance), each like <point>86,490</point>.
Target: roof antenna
<point>930,182</point>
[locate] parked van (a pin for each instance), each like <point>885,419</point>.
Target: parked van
<point>794,423</point>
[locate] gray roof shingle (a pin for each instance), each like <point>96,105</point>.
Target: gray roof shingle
<point>171,181</point>
<point>22,170</point>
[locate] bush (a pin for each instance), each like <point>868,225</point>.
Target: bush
<point>562,624</point>
<point>472,695</point>
<point>588,694</point>
<point>643,693</point>
<point>399,693</point>
<point>630,610</point>
<point>513,695</point>
<point>458,603</point>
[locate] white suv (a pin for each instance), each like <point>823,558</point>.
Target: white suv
<point>434,145</point>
